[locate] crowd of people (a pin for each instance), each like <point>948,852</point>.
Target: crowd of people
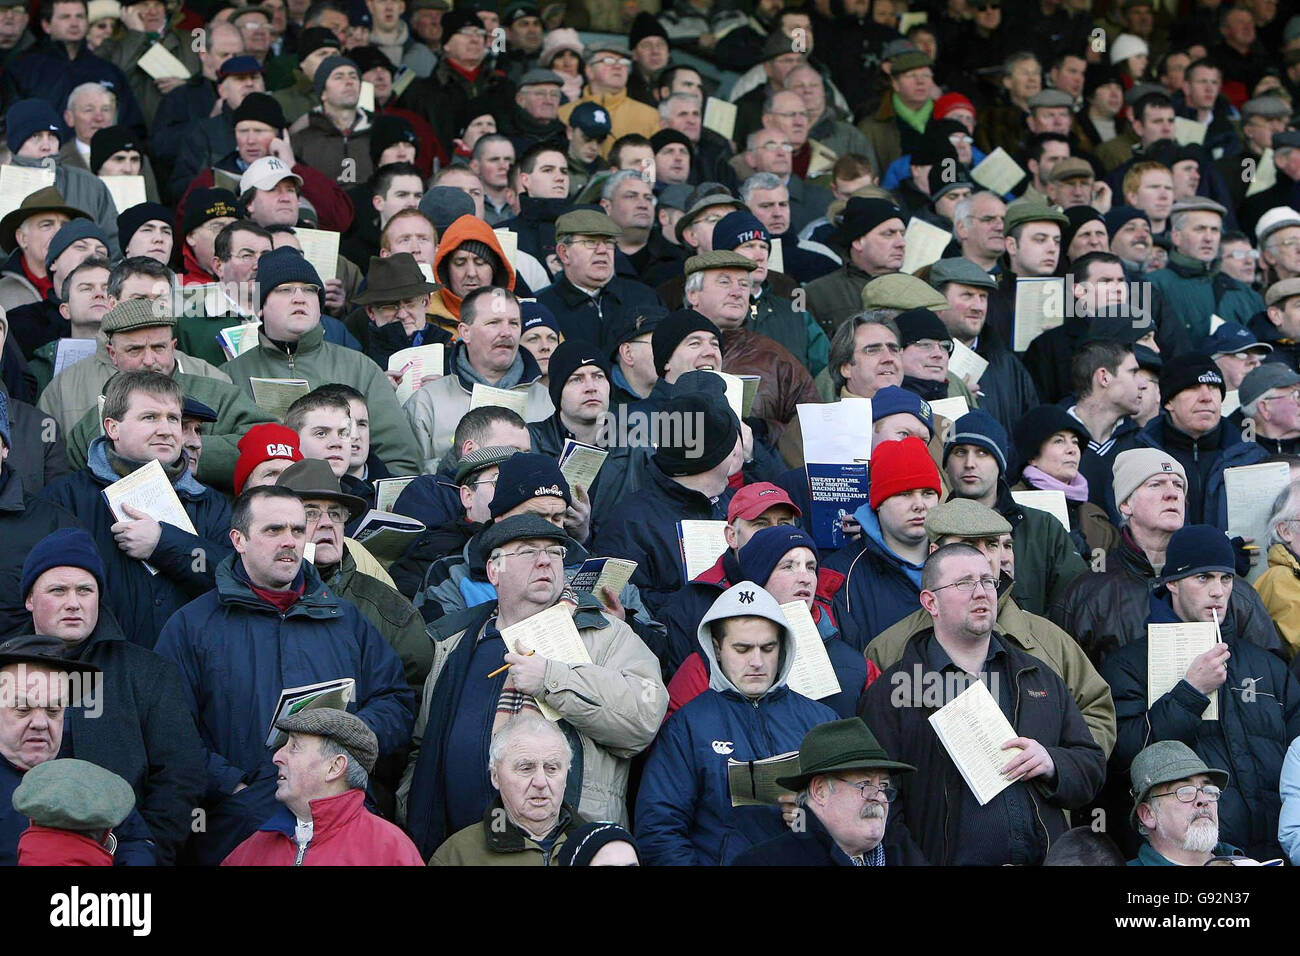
<point>1054,243</point>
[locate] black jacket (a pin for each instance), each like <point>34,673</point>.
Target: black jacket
<point>24,521</point>
<point>595,318</point>
<point>813,846</point>
<point>38,453</point>
<point>1008,390</point>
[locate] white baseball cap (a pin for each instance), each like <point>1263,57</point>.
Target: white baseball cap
<point>264,173</point>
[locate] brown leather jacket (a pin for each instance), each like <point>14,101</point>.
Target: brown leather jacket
<point>783,381</point>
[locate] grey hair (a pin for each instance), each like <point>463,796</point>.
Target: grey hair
<point>666,107</point>
<point>613,182</point>
<point>355,775</point>
<point>1286,507</point>
<point>1177,219</point>
<point>694,283</point>
<point>524,722</point>
<point>963,212</point>
<point>759,181</point>
<point>842,343</point>
<point>79,91</point>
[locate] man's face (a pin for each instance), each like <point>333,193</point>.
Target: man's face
<point>343,88</point>
<point>427,25</point>
<point>277,206</point>
<point>1091,237</point>
<point>699,350</point>
<point>684,116</point>
<point>467,46</point>
<point>1196,411</point>
<point>638,158</point>
<point>585,396</point>
<point>88,298</point>
<point>724,297</point>
<point>149,431</point>
<point>1193,827</point>
<point>651,55</point>
<point>756,251</point>
<point>1127,387</point>
<point>1157,123</point>
<point>13,21</point>
<point>771,152</point>
<point>984,229</point>
<point>807,82</point>
<point>64,603</point>
<point>914,86</point>
<point>1132,241</point>
<point>1199,597</point>
<point>972,471</point>
<point>968,306</point>
<point>607,71</point>
<point>1076,191</point>
<point>880,250</point>
<point>385,13</point>
<point>540,101</point>
<point>477,493</point>
<point>927,359</point>
<point>40,144</point>
<point>272,550</point>
<point>1050,119</point>
<point>632,206</point>
<point>1158,504</point>
<point>1237,366</point>
<point>1239,28</point>
<point>686,81</point>
<point>413,234</point>
<point>291,309</point>
<point>749,654</point>
<point>1103,291</point>
<point>73,256</point>
<point>492,340</point>
<point>1025,79</point>
<point>150,349</point>
<point>326,433</point>
<point>772,208</point>
<point>581,148</point>
<point>779,68</point>
<point>526,34</point>
<point>31,721</point>
<point>1037,249</point>
<point>877,361</point>
<point>325,521</point>
<point>221,46</point>
<point>95,110</point>
<point>153,239</point>
<point>902,516</point>
<point>313,60</point>
<point>851,818</point>
<point>34,234</point>
<point>245,250</point>
<point>67,24</point>
<point>493,164</point>
<point>588,260</point>
<point>1108,100</point>
<point>1282,251</point>
<point>1199,235</point>
<point>946,204</point>
<point>253,139</point>
<point>1201,87</point>
<point>468,272</point>
<point>526,576</point>
<point>1187,177</point>
<point>233,89</point>
<point>1069,76</point>
<point>740,530</point>
<point>266,473</point>
<point>404,192</point>
<point>549,178</point>
<point>301,770</point>
<point>1286,316</point>
<point>256,29</point>
<point>699,234</point>
<point>531,776</point>
<point>969,614</point>
<point>897,427</point>
<point>192,442</point>
<point>137,285</point>
<point>201,238</point>
<point>1260,129</point>
<point>790,116</point>
<point>673,164</point>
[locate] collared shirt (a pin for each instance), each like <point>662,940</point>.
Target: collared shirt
<point>994,674</point>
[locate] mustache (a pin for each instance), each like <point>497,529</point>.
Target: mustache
<point>872,811</point>
<point>286,553</point>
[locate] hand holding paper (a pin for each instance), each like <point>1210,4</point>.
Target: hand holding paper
<point>138,535</point>
<point>1209,670</point>
<point>1032,761</point>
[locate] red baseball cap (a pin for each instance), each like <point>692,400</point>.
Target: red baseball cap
<point>952,101</point>
<point>752,500</point>
<point>261,443</point>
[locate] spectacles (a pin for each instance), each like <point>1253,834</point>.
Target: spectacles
<point>1254,253</point>
<point>1188,793</point>
<point>968,585</point>
<point>336,515</point>
<point>471,32</point>
<point>930,345</point>
<point>415,306</point>
<point>555,553</point>
<point>777,147</point>
<point>591,245</point>
<point>612,61</point>
<point>791,114</point>
<point>295,288</point>
<point>1283,244</point>
<point>1294,395</point>
<point>866,790</point>
<point>893,348</point>
<point>482,481</point>
<point>542,93</point>
<point>985,220</point>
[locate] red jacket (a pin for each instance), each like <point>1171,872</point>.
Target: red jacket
<point>346,834</point>
<point>43,846</point>
<point>333,207</point>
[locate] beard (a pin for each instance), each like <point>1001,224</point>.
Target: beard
<point>1202,836</point>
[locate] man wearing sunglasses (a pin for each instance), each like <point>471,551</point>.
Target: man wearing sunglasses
<point>1176,806</point>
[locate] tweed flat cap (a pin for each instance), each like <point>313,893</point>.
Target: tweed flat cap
<point>481,458</point>
<point>1072,167</point>
<point>1050,98</point>
<point>1280,291</point>
<point>69,794</point>
<point>1197,204</point>
<point>960,270</point>
<point>901,291</point>
<point>519,528</point>
<point>131,314</point>
<point>1031,210</point>
<point>347,730</point>
<point>586,222</point>
<point>718,259</point>
<point>964,518</point>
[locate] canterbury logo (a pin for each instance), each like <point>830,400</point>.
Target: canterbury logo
<point>1037,694</point>
<point>552,490</point>
<point>746,597</point>
<point>723,747</point>
<point>274,450</point>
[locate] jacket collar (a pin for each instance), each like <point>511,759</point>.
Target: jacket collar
<point>329,815</point>
<point>317,601</point>
<point>309,341</point>
<point>513,839</point>
<point>187,486</point>
<point>1188,268</point>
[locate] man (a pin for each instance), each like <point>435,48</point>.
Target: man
<point>148,23</point>
<point>1108,391</point>
<point>650,48</point>
<point>871,236</point>
<point>1053,743</point>
<point>633,373</point>
<point>1149,186</point>
<point>769,150</point>
<point>587,133</point>
<point>206,214</point>
<point>684,815</point>
<point>542,175</point>
<point>1044,152</point>
<point>672,151</point>
<point>197,96</point>
<point>235,252</point>
<point>314,46</point>
<point>1100,120</point>
<point>1071,183</point>
<point>529,819</point>
<point>91,107</point>
<point>491,159</point>
<point>1269,398</point>
<point>839,828</point>
<point>606,70</point>
<point>1261,117</point>
<point>138,338</point>
<point>1236,352</point>
<point>978,225</point>
<point>269,606</point>
<point>1191,283</point>
<point>1005,390</point>
<point>323,423</point>
<point>325,764</point>
<point>589,298</point>
<point>708,154</point>
<point>292,297</point>
<point>392,313</point>
<point>897,126</point>
<point>142,423</point>
<point>1194,586</point>
<point>1183,828</point>
<point>1151,118</point>
<point>83,302</point>
<point>144,734</point>
<point>629,200</point>
<point>865,355</point>
<point>488,354</point>
<point>610,708</point>
<point>1279,325</point>
<point>336,135</point>
<point>210,138</point>
<point>1033,249</point>
<point>533,117</point>
<point>975,459</point>
<point>706,205</point>
<point>826,127</point>
<point>27,232</point>
<point>1277,234</point>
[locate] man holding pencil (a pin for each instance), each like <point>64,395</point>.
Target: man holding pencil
<point>1258,699</point>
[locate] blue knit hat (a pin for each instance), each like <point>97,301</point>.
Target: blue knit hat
<point>65,548</point>
<point>26,118</point>
<point>892,400</point>
<point>282,265</point>
<point>533,314</point>
<point>982,429</point>
<point>69,233</point>
<point>525,476</point>
<point>737,228</point>
<point>1197,549</point>
<point>764,551</point>
<point>5,434</point>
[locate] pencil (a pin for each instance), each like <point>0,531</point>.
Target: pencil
<point>505,667</point>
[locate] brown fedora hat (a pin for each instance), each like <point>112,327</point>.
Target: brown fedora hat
<point>392,279</point>
<point>48,199</point>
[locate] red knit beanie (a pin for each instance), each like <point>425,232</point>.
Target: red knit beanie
<point>949,102</point>
<point>263,443</point>
<point>899,466</point>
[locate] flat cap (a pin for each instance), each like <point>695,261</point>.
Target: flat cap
<point>1167,761</point>
<point>1050,98</point>
<point>70,794</point>
<point>43,652</point>
<point>1031,210</point>
<point>1197,204</point>
<point>1287,139</point>
<point>519,528</point>
<point>1139,90</point>
<point>1072,167</point>
<point>131,314</point>
<point>960,270</point>
<point>1270,107</point>
<point>1280,291</point>
<point>541,77</point>
<point>718,259</point>
<point>607,44</point>
<point>900,63</point>
<point>964,518</point>
<point>1279,217</point>
<point>898,290</point>
<point>193,408</point>
<point>586,222</point>
<point>1265,378</point>
<point>347,730</point>
<point>778,44</point>
<point>481,458</point>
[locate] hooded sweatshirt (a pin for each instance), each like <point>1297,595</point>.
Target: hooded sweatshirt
<point>464,229</point>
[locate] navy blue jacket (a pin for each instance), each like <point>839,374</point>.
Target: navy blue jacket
<point>593,318</point>
<point>184,105</point>
<point>24,521</point>
<point>813,846</point>
<point>185,562</point>
<point>45,72</point>
<point>879,589</point>
<point>236,653</point>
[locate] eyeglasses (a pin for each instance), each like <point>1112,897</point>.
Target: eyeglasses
<point>790,114</point>
<point>968,585</point>
<point>1254,253</point>
<point>1188,793</point>
<point>866,790</point>
<point>296,288</point>
<point>930,345</point>
<point>612,61</point>
<point>542,94</point>
<point>1284,244</point>
<point>555,553</point>
<point>777,147</point>
<point>1294,395</point>
<point>415,306</point>
<point>336,515</point>
<point>591,245</point>
<point>893,348</point>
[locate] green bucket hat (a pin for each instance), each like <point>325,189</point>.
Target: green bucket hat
<point>1164,762</point>
<point>837,746</point>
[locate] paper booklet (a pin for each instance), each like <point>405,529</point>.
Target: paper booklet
<point>127,191</point>
<point>720,116</point>
<point>741,392</point>
<point>386,535</point>
<point>320,247</point>
<point>553,635</point>
<point>71,351</point>
<point>1040,305</point>
<point>776,256</point>
<point>753,782</point>
<point>812,674</point>
<point>1188,132</point>
<point>1264,175</point>
<point>335,694</point>
<point>516,401</point>
<point>998,173</point>
<point>1251,491</point>
<point>366,101</point>
<point>580,463</point>
<point>19,182</point>
<point>1053,502</point>
<point>275,395</point>
<point>238,339</point>
<point>966,363</point>
<point>702,543</point>
<point>509,242</point>
<point>147,489</point>
<point>419,361</point>
<point>1231,402</point>
<point>1171,648</point>
<point>950,408</point>
<point>225,179</point>
<point>925,244</point>
<point>837,431</point>
<point>836,490</point>
<point>596,574</point>
<point>160,63</point>
<point>388,490</point>
<point>972,728</point>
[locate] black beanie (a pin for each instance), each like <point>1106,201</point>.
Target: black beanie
<point>129,220</point>
<point>707,436</point>
<point>917,324</point>
<point>1189,370</point>
<point>672,330</point>
<point>110,140</point>
<point>569,356</point>
<point>1040,424</point>
<point>584,842</point>
<point>666,137</point>
<point>261,108</point>
<point>389,131</point>
<point>316,38</point>
<point>645,25</point>
<point>1079,217</point>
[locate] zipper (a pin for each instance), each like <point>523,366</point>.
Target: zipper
<point>302,851</point>
<point>1015,723</point>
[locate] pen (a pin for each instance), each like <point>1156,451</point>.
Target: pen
<point>505,667</point>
